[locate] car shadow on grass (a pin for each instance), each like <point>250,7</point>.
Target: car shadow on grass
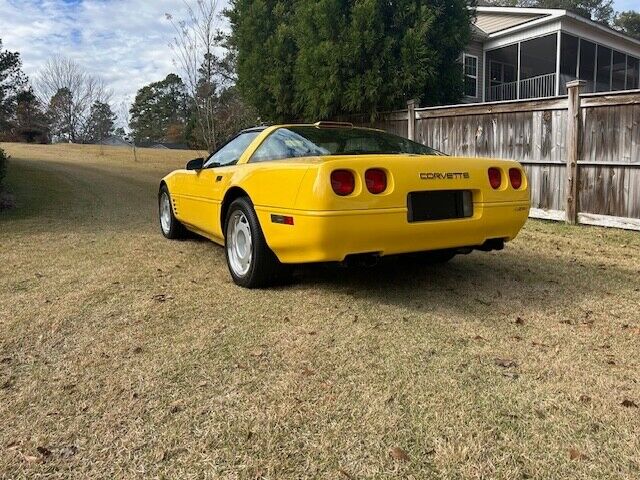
<point>479,283</point>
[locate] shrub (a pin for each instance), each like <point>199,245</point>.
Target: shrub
<point>3,166</point>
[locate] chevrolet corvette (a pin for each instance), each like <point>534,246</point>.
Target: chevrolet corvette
<point>330,192</point>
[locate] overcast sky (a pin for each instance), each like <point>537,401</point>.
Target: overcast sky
<point>123,41</point>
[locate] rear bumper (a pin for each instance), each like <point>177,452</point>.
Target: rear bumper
<point>332,236</point>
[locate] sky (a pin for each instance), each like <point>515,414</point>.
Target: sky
<point>125,42</point>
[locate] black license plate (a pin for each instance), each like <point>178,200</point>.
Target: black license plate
<point>439,205</point>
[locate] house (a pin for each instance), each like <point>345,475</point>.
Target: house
<point>115,141</point>
<point>163,145</point>
<point>521,53</point>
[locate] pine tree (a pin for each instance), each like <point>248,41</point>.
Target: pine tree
<point>315,59</point>
<point>101,123</point>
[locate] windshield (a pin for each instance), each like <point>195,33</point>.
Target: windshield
<point>295,142</point>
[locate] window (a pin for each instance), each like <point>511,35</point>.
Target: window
<point>307,141</point>
<point>633,67</point>
<point>230,153</point>
<point>587,63</point>
<point>501,73</point>
<point>603,69</point>
<point>568,61</point>
<point>618,71</point>
<point>286,143</point>
<point>470,75</point>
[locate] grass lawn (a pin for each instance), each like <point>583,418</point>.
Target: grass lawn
<point>125,355</point>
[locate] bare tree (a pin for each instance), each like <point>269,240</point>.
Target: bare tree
<point>124,117</point>
<point>82,90</point>
<point>196,44</point>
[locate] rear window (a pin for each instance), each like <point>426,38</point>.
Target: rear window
<point>296,142</point>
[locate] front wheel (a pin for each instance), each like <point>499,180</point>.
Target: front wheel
<point>169,225</point>
<point>251,262</point>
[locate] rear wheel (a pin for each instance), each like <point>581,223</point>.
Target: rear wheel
<point>251,262</point>
<point>169,225</point>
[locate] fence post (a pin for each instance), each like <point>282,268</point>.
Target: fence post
<point>574,140</point>
<point>411,114</point>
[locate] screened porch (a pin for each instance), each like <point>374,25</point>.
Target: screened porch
<point>541,67</point>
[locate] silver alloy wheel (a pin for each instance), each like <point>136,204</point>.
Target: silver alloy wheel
<point>239,244</point>
<point>165,213</point>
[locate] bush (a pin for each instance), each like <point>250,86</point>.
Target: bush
<point>3,166</point>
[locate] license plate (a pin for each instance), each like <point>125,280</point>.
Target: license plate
<point>439,205</point>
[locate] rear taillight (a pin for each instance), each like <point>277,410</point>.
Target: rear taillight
<point>515,176</point>
<point>376,180</point>
<point>495,178</point>
<point>343,182</point>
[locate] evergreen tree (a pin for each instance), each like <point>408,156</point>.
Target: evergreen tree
<point>314,59</point>
<point>101,123</point>
<point>61,114</point>
<point>629,23</point>
<point>12,82</point>
<point>31,124</point>
<point>158,109</point>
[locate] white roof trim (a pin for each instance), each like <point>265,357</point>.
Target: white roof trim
<point>551,14</point>
<point>523,10</point>
<point>602,28</point>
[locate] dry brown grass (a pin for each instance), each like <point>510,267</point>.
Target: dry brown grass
<point>123,355</point>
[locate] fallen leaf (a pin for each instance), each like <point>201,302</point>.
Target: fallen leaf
<point>137,350</point>
<point>398,454</point>
<point>505,362</point>
<point>203,384</point>
<point>31,458</point>
<point>519,321</point>
<point>575,454</point>
<point>629,403</point>
<point>478,337</point>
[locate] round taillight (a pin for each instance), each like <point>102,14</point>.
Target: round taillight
<point>515,176</point>
<point>343,182</point>
<point>376,180</point>
<point>495,178</point>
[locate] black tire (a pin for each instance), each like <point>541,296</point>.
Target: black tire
<point>434,257</point>
<point>175,230</point>
<point>264,270</point>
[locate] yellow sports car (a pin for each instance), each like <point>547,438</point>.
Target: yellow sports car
<point>330,192</point>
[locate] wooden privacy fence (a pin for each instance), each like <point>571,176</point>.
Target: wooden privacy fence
<point>581,152</point>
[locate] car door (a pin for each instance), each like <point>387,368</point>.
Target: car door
<point>203,188</point>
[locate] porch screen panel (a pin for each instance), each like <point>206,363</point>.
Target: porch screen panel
<point>587,64</point>
<point>501,73</point>
<point>603,69</point>
<point>618,71</point>
<point>538,67</point>
<point>568,60</point>
<point>633,72</point>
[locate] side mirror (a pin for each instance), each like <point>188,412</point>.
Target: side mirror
<point>195,164</point>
